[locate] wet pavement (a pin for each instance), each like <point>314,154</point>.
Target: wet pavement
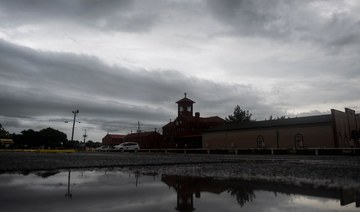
<point>319,171</point>
<point>119,190</point>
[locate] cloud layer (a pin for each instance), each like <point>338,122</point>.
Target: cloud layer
<point>120,62</point>
<point>47,84</point>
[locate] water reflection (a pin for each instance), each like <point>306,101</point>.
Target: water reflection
<point>244,191</point>
<point>68,194</point>
<point>187,187</point>
<point>116,190</point>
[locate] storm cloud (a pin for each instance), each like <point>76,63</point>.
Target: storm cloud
<point>48,84</point>
<point>120,62</point>
<point>329,23</point>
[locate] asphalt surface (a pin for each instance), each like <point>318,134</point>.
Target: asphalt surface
<point>326,171</point>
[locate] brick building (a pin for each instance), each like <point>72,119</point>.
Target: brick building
<point>335,130</point>
<point>186,129</point>
<point>113,139</point>
<point>146,140</point>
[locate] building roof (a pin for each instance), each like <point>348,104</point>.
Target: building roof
<point>115,136</point>
<point>212,119</point>
<point>203,119</point>
<point>141,134</point>
<point>321,119</point>
<point>185,99</point>
<point>169,124</point>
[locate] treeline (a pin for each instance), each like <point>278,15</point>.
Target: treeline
<point>48,138</point>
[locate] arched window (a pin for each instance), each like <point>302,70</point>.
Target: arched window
<point>299,141</point>
<point>260,142</point>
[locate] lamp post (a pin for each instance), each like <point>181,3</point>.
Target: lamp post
<point>72,134</point>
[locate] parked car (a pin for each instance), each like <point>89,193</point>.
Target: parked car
<point>104,148</point>
<point>127,146</point>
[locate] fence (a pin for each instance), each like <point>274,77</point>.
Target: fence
<point>263,151</point>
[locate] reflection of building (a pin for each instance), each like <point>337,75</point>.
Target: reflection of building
<point>146,140</point>
<point>186,187</point>
<point>186,129</point>
<point>113,139</point>
<point>335,130</point>
<point>244,191</point>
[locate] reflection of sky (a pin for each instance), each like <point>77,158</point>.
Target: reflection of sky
<point>91,190</point>
<point>323,204</point>
<point>120,191</point>
<point>266,201</point>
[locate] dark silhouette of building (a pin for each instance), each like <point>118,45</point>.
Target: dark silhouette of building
<point>244,191</point>
<point>335,130</point>
<point>146,140</point>
<point>113,139</point>
<point>185,131</point>
<point>186,187</point>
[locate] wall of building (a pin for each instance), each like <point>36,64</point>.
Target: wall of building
<point>284,137</point>
<point>344,124</point>
<point>146,140</point>
<point>111,140</point>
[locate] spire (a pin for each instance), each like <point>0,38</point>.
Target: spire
<point>185,94</point>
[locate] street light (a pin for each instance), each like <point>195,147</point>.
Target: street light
<point>72,134</point>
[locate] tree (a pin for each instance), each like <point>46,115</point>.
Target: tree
<point>278,118</point>
<point>3,132</point>
<point>44,138</point>
<point>52,138</point>
<point>243,195</point>
<point>29,138</point>
<point>239,116</point>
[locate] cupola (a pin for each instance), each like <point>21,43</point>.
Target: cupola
<point>185,107</point>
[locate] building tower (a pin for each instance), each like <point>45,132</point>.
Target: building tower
<point>185,107</point>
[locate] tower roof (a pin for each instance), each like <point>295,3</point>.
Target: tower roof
<point>185,99</point>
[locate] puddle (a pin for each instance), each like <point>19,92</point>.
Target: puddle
<point>116,190</point>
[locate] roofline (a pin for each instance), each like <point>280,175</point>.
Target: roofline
<point>273,123</point>
<point>185,99</point>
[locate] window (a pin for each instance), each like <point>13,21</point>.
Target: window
<point>260,142</point>
<point>299,141</point>
<point>189,108</point>
<point>181,109</point>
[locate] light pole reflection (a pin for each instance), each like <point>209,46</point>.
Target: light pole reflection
<point>68,194</point>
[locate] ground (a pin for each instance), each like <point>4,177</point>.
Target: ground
<point>327,171</point>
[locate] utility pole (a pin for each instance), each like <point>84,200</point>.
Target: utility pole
<point>138,130</point>
<point>84,135</point>
<point>72,134</point>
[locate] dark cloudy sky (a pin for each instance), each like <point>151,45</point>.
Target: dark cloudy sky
<point>120,62</point>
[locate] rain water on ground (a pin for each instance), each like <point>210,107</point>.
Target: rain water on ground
<point>118,190</point>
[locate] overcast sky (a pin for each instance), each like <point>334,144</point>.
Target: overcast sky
<point>120,62</point>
